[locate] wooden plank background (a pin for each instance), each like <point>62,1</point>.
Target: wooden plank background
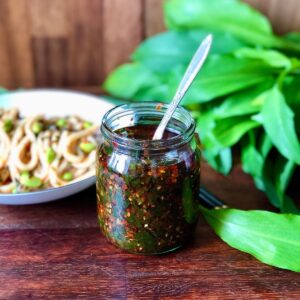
<point>75,43</point>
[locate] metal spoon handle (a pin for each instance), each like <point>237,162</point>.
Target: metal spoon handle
<point>189,76</point>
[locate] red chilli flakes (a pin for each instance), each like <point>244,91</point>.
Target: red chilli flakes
<point>148,206</point>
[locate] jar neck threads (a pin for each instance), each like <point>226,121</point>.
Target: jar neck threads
<point>139,114</point>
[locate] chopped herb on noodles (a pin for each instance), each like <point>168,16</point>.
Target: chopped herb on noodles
<point>39,153</point>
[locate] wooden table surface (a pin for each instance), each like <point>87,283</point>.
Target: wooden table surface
<point>56,250</point>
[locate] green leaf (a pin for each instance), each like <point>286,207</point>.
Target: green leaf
<point>277,173</point>
<point>223,43</point>
<point>205,124</point>
<point>229,131</point>
<point>272,238</point>
<point>228,15</point>
<point>222,75</point>
<point>291,92</point>
<point>245,102</point>
<point>278,121</point>
<point>129,79</point>
<point>231,16</point>
<point>283,171</point>
<point>158,93</point>
<point>265,145</point>
<point>220,161</point>
<point>269,178</point>
<point>271,57</point>
<point>293,36</point>
<point>166,50</point>
<point>252,159</point>
<point>221,15</point>
<point>286,175</point>
<point>271,172</point>
<point>162,52</point>
<point>288,205</point>
<point>218,157</point>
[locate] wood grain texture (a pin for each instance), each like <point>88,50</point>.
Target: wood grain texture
<point>56,251</point>
<point>53,43</point>
<point>50,61</point>
<point>48,18</point>
<point>5,69</point>
<point>123,31</point>
<point>85,53</point>
<point>153,12</point>
<point>15,43</point>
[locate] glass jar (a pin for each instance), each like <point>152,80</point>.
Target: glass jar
<point>147,191</point>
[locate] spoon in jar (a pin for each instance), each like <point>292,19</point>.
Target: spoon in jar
<point>189,76</point>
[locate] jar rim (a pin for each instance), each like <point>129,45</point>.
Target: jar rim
<point>157,109</point>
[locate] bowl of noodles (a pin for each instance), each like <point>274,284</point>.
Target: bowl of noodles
<point>48,141</point>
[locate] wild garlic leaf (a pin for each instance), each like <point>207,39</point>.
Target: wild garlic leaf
<point>218,157</point>
<point>291,92</point>
<point>270,170</point>
<point>205,125</point>
<point>278,121</point>
<point>277,173</point>
<point>264,145</point>
<point>231,16</point>
<point>127,80</point>
<point>245,102</point>
<point>221,160</point>
<point>286,175</point>
<point>283,171</point>
<point>271,57</point>
<point>252,159</point>
<point>210,13</point>
<point>272,238</point>
<point>230,130</point>
<point>293,36</point>
<point>162,52</point>
<point>222,75</point>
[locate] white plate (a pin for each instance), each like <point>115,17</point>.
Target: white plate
<point>54,103</point>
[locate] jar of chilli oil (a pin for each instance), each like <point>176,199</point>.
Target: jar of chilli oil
<point>147,191</point>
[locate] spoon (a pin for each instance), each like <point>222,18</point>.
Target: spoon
<point>189,76</point>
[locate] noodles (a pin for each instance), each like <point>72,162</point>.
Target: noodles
<point>39,153</point>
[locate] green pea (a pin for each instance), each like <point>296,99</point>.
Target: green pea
<point>87,147</point>
<point>30,182</point>
<point>8,125</point>
<point>25,174</point>
<point>61,123</point>
<point>87,125</point>
<point>50,155</point>
<point>67,176</point>
<point>37,127</point>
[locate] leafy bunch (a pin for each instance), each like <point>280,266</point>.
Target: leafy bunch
<point>246,98</point>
